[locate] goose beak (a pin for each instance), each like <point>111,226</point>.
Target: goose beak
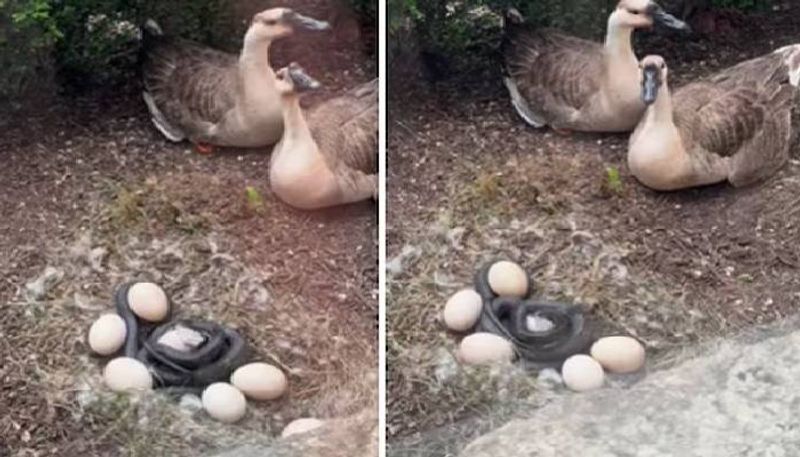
<point>301,80</point>
<point>650,85</point>
<point>667,20</point>
<point>306,22</point>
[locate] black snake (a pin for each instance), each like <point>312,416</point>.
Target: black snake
<point>214,359</point>
<point>568,332</point>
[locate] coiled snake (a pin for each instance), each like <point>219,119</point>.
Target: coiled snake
<point>218,352</point>
<point>564,329</point>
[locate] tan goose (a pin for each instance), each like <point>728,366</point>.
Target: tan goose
<point>573,84</point>
<point>329,155</point>
<point>734,126</point>
<point>214,98</point>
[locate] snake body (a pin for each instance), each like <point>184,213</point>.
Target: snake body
<point>222,351</point>
<point>569,333</point>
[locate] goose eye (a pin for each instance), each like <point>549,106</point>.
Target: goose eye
<point>270,22</point>
<point>635,12</point>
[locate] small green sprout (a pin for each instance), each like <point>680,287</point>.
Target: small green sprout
<point>613,181</point>
<point>254,200</point>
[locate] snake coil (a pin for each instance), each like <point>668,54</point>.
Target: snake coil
<point>222,351</point>
<point>569,333</point>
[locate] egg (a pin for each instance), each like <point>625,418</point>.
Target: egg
<point>582,373</point>
<point>260,381</point>
<point>224,402</point>
<point>485,349</point>
<point>299,426</point>
<point>508,279</point>
<point>148,301</point>
<point>125,374</point>
<point>619,354</point>
<point>107,334</point>
<point>462,310</point>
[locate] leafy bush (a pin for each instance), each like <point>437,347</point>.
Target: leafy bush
<point>91,42</point>
<point>452,26</point>
<point>23,48</point>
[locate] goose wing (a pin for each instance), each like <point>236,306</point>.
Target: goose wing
<point>345,129</point>
<point>551,70</point>
<point>729,109</point>
<point>192,86</point>
<point>720,121</point>
<point>750,124</point>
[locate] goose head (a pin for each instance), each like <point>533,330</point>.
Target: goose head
<point>294,79</point>
<point>636,14</point>
<point>275,23</point>
<point>653,74</point>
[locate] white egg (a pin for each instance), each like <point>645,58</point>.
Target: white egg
<point>224,402</point>
<point>299,426</point>
<point>508,279</point>
<point>619,354</point>
<point>462,310</point>
<point>148,301</point>
<point>107,334</point>
<point>581,373</point>
<point>260,381</point>
<point>485,349</point>
<point>125,374</point>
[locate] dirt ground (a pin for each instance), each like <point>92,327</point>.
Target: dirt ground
<point>468,181</point>
<point>93,196</point>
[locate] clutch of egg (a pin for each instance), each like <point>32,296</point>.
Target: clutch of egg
<point>222,401</point>
<point>226,402</point>
<point>615,354</point>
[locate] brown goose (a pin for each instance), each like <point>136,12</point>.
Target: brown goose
<point>734,126</point>
<point>329,155</point>
<point>215,98</point>
<point>573,84</point>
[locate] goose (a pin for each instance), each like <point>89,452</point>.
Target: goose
<point>214,98</point>
<point>573,84</point>
<point>734,126</point>
<point>327,156</point>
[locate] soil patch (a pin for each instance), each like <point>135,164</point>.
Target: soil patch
<point>468,181</point>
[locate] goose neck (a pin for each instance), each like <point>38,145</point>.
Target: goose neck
<point>255,53</point>
<point>661,110</point>
<point>294,123</point>
<point>618,41</point>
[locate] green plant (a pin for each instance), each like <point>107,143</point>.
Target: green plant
<point>254,199</point>
<point>96,42</point>
<point>613,180</point>
<point>455,27</point>
<point>23,47</point>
